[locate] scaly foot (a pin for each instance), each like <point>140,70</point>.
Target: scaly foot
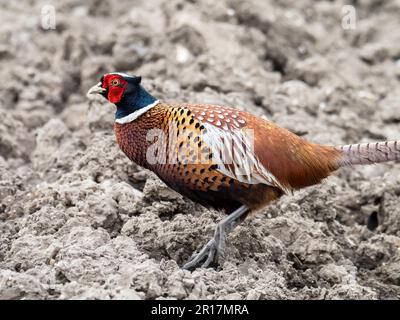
<point>212,252</point>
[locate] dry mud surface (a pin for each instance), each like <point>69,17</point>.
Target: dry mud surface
<point>79,221</point>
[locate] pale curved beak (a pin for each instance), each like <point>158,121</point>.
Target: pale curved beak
<point>95,89</point>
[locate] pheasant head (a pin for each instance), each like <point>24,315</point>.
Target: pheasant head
<point>125,92</point>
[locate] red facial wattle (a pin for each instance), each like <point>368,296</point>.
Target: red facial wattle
<point>115,92</point>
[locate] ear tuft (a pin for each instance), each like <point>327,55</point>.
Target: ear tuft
<point>138,79</point>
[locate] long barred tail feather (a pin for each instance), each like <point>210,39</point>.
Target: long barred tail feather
<point>369,153</point>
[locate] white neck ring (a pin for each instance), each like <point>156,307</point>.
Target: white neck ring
<point>134,115</point>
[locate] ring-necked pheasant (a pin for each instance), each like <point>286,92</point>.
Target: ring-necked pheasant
<point>221,157</point>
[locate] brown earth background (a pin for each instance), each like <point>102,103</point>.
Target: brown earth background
<point>78,220</point>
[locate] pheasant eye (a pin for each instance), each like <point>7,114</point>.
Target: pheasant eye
<point>115,82</point>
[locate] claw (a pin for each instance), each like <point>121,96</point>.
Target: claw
<point>206,251</point>
<point>210,258</point>
<point>214,250</point>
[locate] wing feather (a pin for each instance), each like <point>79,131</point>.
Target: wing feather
<point>261,151</point>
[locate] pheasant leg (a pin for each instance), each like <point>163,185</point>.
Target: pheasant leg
<point>214,250</point>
